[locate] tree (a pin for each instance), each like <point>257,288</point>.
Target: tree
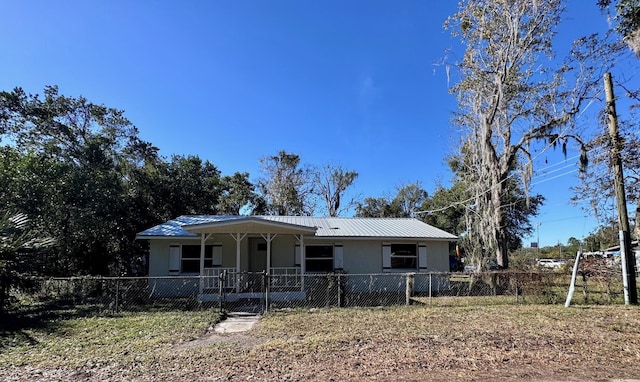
<point>450,209</point>
<point>596,181</point>
<point>237,192</point>
<point>16,238</point>
<point>573,246</point>
<point>193,186</point>
<point>330,184</point>
<point>75,161</point>
<point>512,94</point>
<point>376,208</point>
<point>82,175</point>
<point>605,236</point>
<point>627,18</point>
<point>408,199</point>
<point>445,209</point>
<point>286,186</point>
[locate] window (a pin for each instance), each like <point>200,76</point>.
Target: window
<point>319,258</point>
<point>404,256</point>
<point>190,259</point>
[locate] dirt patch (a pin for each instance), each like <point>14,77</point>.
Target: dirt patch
<point>237,339</point>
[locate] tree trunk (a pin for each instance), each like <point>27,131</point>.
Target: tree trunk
<point>636,229</point>
<point>502,249</point>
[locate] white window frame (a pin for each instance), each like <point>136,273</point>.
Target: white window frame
<point>414,256</point>
<point>328,259</point>
<point>208,255</point>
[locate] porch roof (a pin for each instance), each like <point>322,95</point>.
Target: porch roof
<point>247,224</point>
<point>381,228</point>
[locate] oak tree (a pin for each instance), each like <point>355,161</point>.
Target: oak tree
<point>513,93</point>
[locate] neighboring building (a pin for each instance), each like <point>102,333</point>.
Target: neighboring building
<point>290,246</point>
<point>615,253</point>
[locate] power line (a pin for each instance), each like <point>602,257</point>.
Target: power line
<point>550,144</point>
<point>554,177</point>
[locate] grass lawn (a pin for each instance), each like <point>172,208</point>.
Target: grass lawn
<point>498,342</point>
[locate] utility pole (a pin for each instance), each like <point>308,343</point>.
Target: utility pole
<point>627,256</point>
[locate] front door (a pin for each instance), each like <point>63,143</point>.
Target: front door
<point>257,255</point>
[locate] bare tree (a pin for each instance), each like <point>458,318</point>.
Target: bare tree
<point>596,182</point>
<point>330,184</point>
<point>513,92</point>
<point>286,186</point>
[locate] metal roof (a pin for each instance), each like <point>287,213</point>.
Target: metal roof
<point>325,226</point>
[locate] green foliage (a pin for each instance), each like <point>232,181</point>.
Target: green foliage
<point>17,240</point>
<point>286,186</point>
<point>237,192</point>
<point>406,203</point>
<point>376,208</point>
<point>627,20</point>
<point>445,209</point>
<point>82,175</point>
<point>514,95</point>
<point>452,210</point>
<point>603,237</point>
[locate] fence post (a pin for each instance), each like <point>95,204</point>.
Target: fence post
<point>409,290</point>
<point>430,287</point>
<point>221,281</point>
<point>339,290</point>
<point>4,288</point>
<point>117,293</point>
<point>265,287</point>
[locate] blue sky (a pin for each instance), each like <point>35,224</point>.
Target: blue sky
<point>355,83</point>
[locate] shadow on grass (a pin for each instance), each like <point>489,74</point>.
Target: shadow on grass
<point>48,316</point>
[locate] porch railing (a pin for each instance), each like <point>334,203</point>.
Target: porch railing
<point>212,278</point>
<point>285,278</point>
<point>281,279</point>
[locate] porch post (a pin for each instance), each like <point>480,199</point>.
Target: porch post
<point>238,253</point>
<point>202,239</point>
<point>238,238</point>
<point>303,262</point>
<point>268,253</point>
<point>268,239</point>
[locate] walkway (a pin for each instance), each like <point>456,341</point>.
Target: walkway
<point>236,322</point>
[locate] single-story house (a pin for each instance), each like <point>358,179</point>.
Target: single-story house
<point>291,247</point>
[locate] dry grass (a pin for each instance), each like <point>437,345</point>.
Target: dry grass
<point>517,342</point>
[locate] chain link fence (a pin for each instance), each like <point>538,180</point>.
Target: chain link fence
<point>257,292</point>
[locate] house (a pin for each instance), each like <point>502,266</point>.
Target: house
<point>206,249</point>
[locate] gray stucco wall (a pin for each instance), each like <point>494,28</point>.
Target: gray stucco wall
<point>359,256</point>
<point>437,256</point>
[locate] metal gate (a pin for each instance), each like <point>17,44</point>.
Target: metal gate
<point>243,292</point>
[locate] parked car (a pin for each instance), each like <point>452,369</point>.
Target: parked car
<point>551,263</point>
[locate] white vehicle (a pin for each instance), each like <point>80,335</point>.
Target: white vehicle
<point>551,263</point>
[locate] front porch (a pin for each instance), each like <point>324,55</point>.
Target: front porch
<point>249,272</point>
<point>282,284</point>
